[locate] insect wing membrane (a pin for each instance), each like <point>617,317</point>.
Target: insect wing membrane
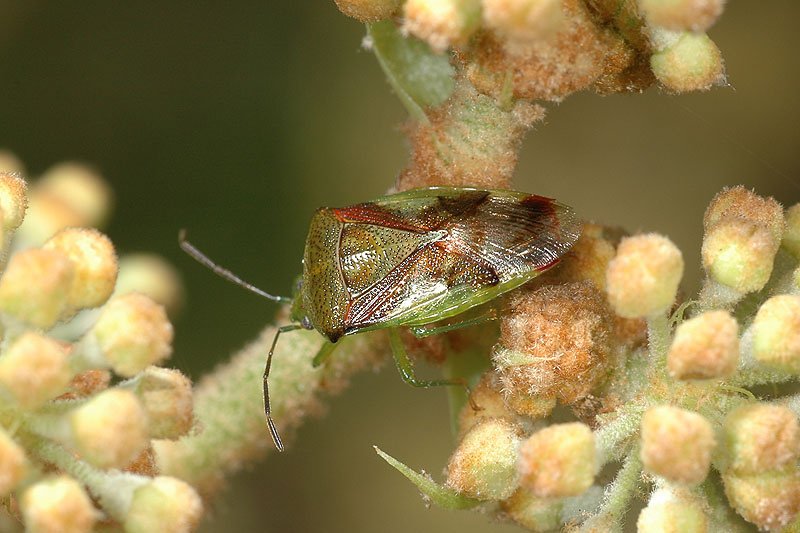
<point>428,254</point>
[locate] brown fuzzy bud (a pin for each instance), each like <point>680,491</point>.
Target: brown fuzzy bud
<point>677,15</point>
<point>35,369</point>
<point>484,463</point>
<point>559,460</point>
<point>469,141</point>
<point>132,333</point>
<point>555,341</point>
<point>109,430</point>
<point>369,10</point>
<point>770,500</point>
<point>643,278</point>
<point>676,444</point>
<point>705,347</point>
<point>577,57</point>
<point>761,437</point>
<point>57,504</point>
<point>442,23</point>
<point>740,202</point>
<point>690,62</point>
<point>776,333</point>
<point>94,262</point>
<point>13,199</point>
<point>35,287</point>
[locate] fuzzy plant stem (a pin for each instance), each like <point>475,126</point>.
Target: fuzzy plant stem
<point>617,497</point>
<point>230,415</point>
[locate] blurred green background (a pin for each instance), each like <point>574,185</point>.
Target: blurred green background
<point>236,119</point>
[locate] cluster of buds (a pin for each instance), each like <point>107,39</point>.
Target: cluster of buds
<point>602,372</point>
<point>76,443</point>
<point>546,49</point>
<point>474,74</point>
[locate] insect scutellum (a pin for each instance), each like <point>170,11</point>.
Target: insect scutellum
<point>412,259</point>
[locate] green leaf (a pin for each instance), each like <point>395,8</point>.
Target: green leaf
<point>441,496</point>
<point>420,77</point>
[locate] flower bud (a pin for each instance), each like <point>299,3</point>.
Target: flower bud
<point>555,342</point>
<point>791,237</point>
<point>668,511</point>
<point>676,444</point>
<point>167,505</point>
<point>484,463</point>
<point>132,333</point>
<point>705,347</point>
<point>677,15</point>
<point>57,504</point>
<point>10,163</point>
<point>739,254</point>
<point>94,261</point>
<point>166,396</point>
<point>770,500</point>
<point>776,333</point>
<point>442,23</point>
<point>524,21</point>
<point>67,195</point>
<point>588,258</point>
<point>533,513</point>
<point>35,287</point>
<point>740,202</point>
<point>79,188</point>
<point>13,464</point>
<point>35,369</point>
<point>13,199</point>
<point>488,399</point>
<point>559,460</point>
<point>87,383</point>
<point>643,278</point>
<point>152,275</point>
<point>691,62</point>
<point>110,430</point>
<point>368,10</point>
<point>761,437</point>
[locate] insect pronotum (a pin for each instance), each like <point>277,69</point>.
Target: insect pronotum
<point>412,259</point>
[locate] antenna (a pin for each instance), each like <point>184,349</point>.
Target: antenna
<point>203,259</point>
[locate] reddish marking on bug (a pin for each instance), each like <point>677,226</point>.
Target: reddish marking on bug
<point>366,214</point>
<point>546,266</point>
<point>543,205</point>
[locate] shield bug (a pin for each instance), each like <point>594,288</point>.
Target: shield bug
<point>412,259</point>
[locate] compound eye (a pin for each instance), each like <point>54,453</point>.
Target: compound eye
<point>306,323</point>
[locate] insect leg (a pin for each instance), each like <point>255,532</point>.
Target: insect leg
<point>273,431</point>
<point>406,367</point>
<point>324,352</point>
<point>421,332</point>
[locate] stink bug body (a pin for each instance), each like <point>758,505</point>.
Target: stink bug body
<point>414,258</point>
